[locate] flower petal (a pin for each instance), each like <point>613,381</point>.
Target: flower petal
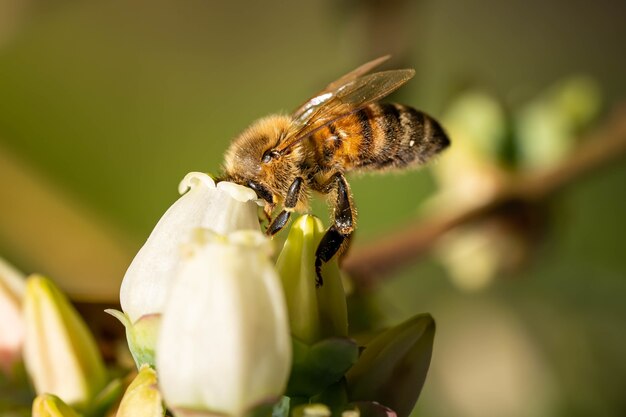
<point>224,342</point>
<point>223,208</point>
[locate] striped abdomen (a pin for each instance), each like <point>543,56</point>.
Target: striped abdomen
<point>379,136</point>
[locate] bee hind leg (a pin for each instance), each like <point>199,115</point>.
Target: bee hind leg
<point>293,195</point>
<point>337,238</point>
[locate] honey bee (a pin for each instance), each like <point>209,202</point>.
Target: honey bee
<point>341,129</point>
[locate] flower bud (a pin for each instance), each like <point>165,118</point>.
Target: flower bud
<point>142,397</point>
<point>548,127</point>
<point>222,208</point>
<point>48,405</point>
<point>11,324</point>
<point>318,317</point>
<point>224,344</point>
<point>60,354</point>
<point>392,368</point>
<point>314,313</point>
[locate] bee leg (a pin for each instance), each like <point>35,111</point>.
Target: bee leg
<point>337,237</point>
<point>293,195</point>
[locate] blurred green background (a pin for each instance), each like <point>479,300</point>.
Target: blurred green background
<point>105,105</point>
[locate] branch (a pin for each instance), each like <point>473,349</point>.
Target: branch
<point>372,263</point>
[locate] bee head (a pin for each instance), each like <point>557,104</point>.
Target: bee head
<point>252,160</point>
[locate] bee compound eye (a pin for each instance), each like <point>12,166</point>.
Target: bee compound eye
<point>269,155</point>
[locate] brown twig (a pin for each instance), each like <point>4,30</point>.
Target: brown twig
<point>372,263</point>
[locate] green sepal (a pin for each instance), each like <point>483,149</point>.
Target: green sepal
<point>320,365</point>
<point>393,366</point>
<point>141,336</point>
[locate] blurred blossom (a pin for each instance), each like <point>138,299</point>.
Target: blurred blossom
<point>475,254</point>
<point>11,322</point>
<point>142,397</point>
<point>48,405</point>
<point>480,119</point>
<point>314,313</point>
<point>60,354</point>
<point>547,128</point>
<point>490,150</point>
<point>224,344</point>
<point>471,170</point>
<point>222,208</point>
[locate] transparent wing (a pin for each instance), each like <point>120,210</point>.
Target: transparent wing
<point>345,99</point>
<point>322,96</point>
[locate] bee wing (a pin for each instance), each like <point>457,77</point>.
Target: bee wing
<point>345,99</point>
<point>320,97</point>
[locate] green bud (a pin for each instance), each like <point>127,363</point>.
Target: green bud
<point>479,119</point>
<point>314,313</point>
<point>316,367</point>
<point>142,397</point>
<point>392,368</point>
<point>549,126</point>
<point>48,405</point>
<point>60,353</point>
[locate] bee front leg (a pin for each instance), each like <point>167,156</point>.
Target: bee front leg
<point>293,195</point>
<point>337,237</point>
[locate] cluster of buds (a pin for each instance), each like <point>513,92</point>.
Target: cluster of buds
<point>230,332</point>
<point>59,354</point>
<point>496,144</point>
<point>218,326</point>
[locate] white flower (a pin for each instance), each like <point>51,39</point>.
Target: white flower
<point>224,345</point>
<point>222,208</point>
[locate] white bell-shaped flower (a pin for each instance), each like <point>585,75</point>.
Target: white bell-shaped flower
<point>224,345</point>
<point>222,208</point>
